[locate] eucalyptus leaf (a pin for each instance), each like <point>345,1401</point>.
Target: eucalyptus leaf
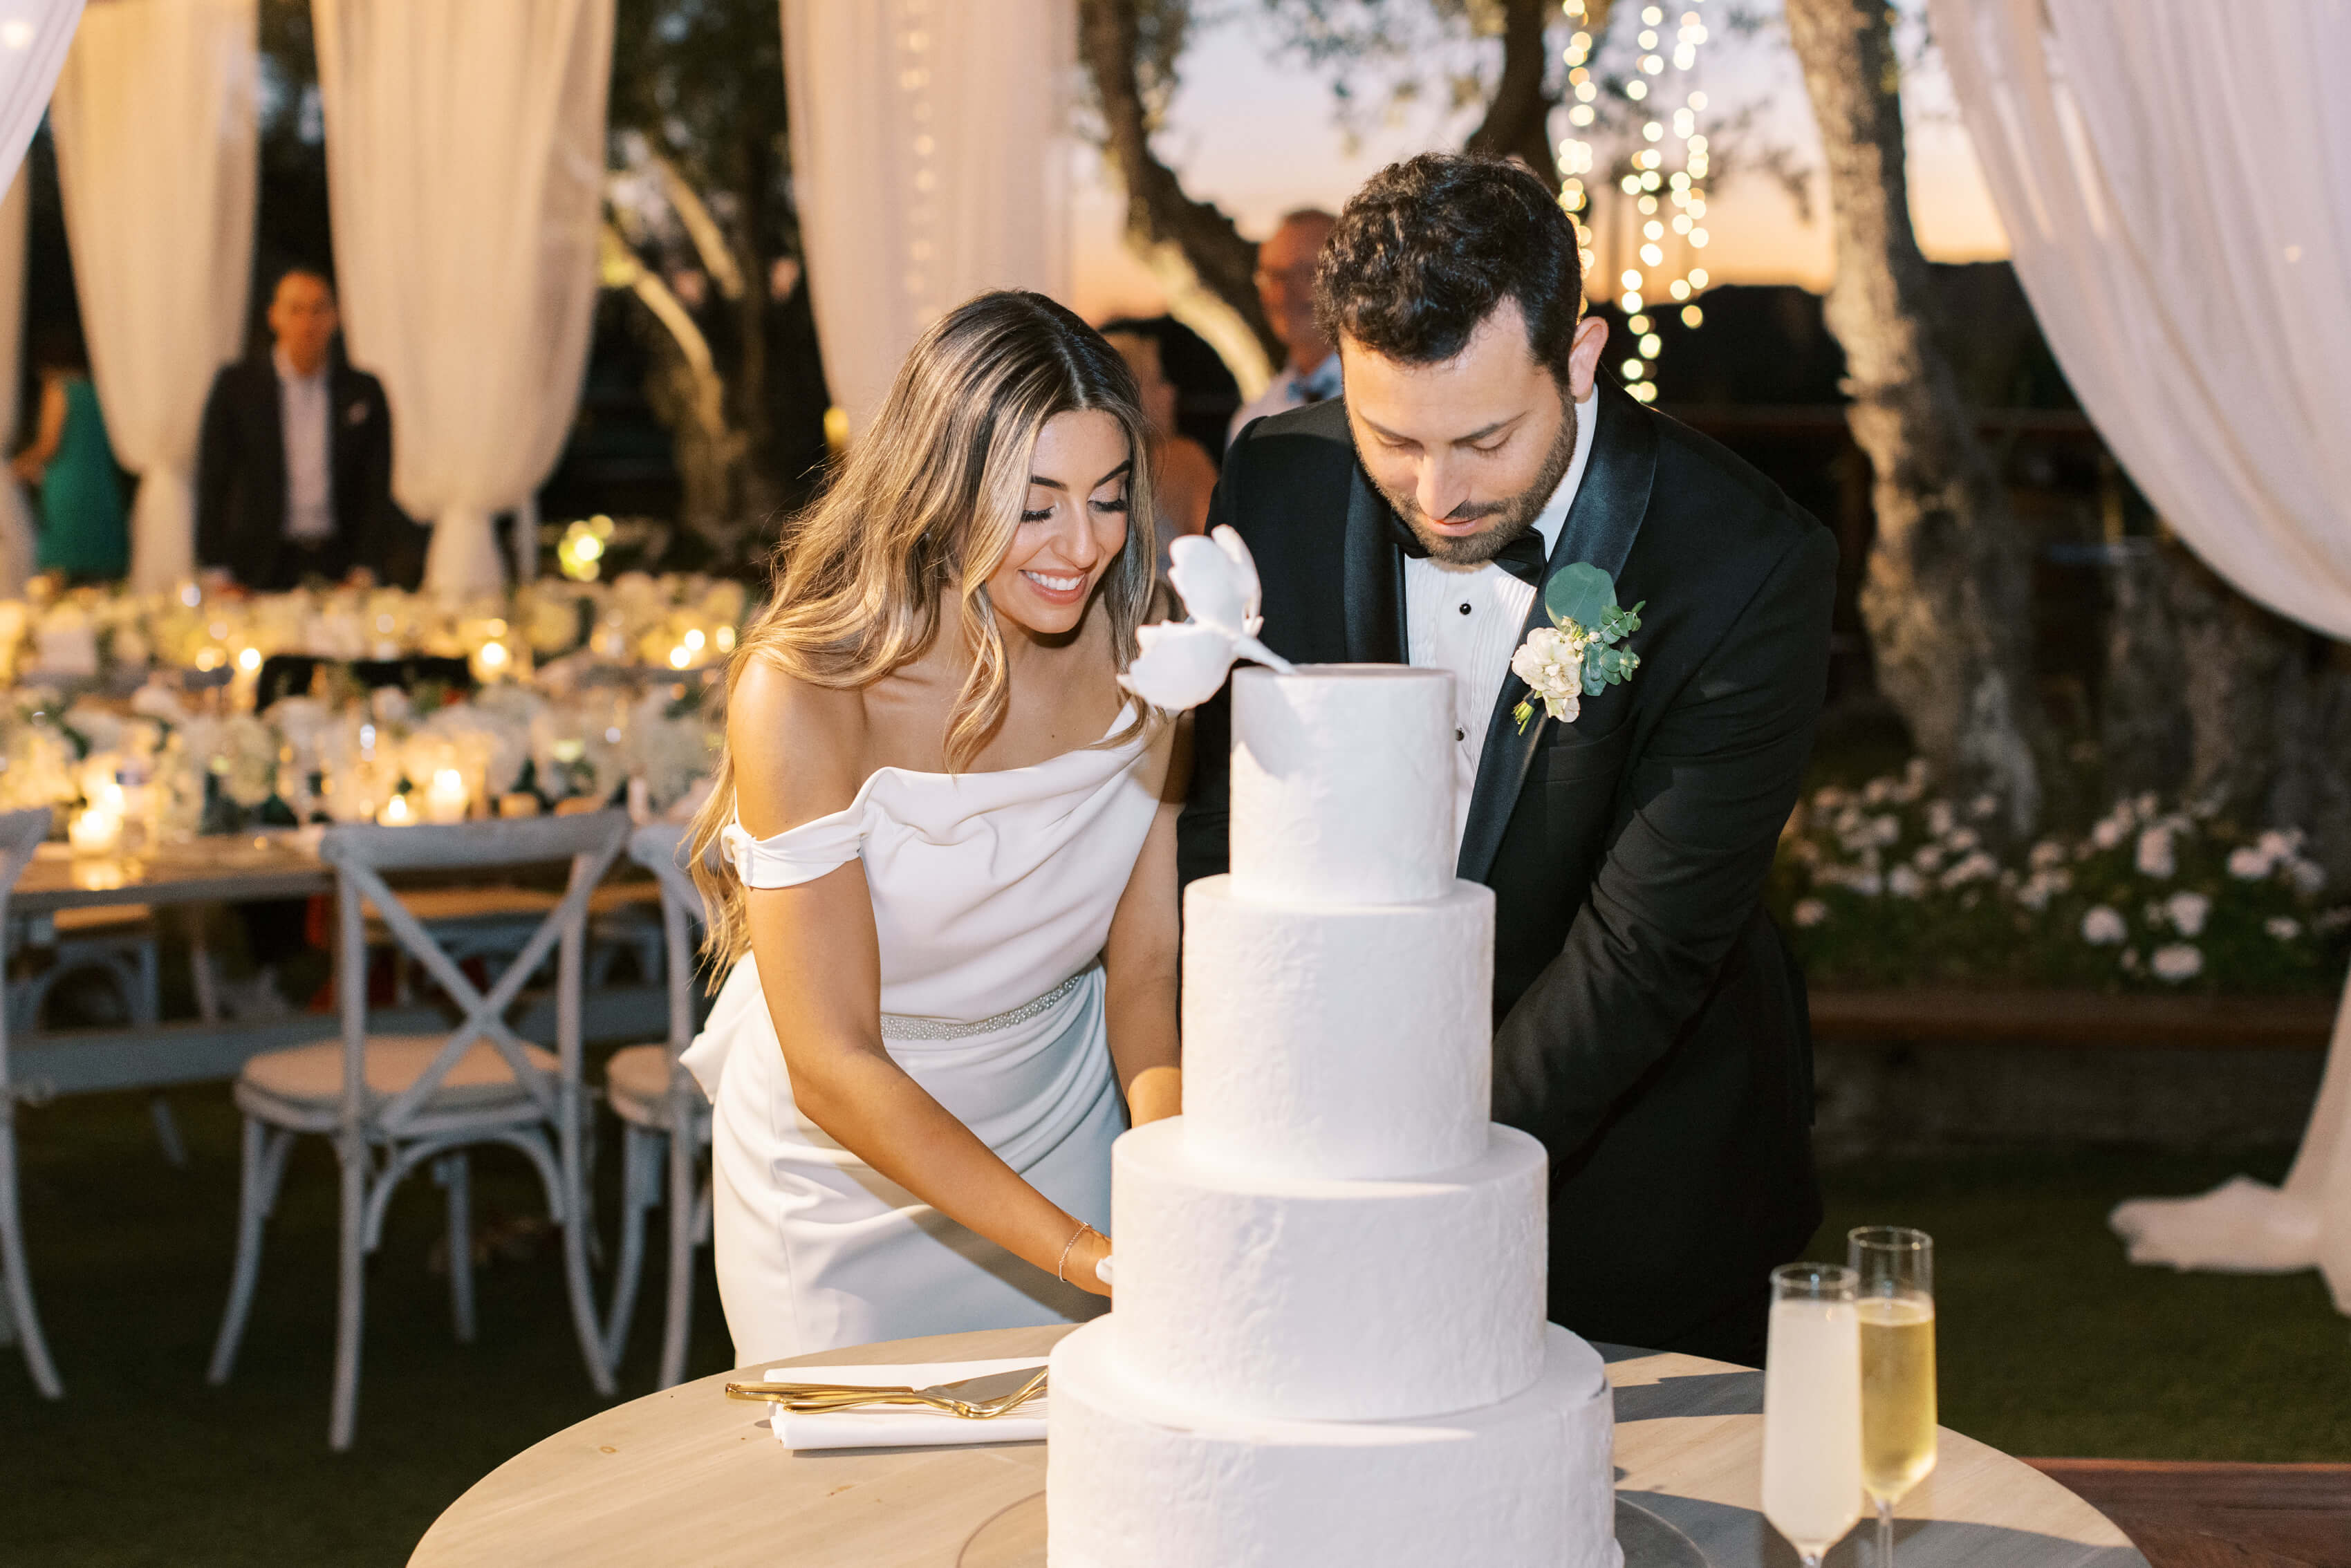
<point>1581,594</point>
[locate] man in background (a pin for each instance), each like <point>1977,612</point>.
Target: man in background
<point>294,475</point>
<point>1285,286</point>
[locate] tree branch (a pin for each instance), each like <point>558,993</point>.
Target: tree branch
<point>1160,217</point>
<point>1518,117</point>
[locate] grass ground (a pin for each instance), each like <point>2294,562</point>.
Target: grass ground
<point>2050,1343</point>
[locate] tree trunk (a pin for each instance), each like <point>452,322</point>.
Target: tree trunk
<point>1517,119</point>
<point>1187,241</point>
<point>1946,595</point>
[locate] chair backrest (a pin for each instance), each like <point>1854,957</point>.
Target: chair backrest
<point>655,846</point>
<point>361,854</point>
<point>21,833</point>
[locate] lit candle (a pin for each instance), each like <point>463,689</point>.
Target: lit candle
<point>95,832</point>
<point>397,813</point>
<point>444,799</point>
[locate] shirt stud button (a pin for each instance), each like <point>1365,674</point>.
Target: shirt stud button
<point>1464,610</point>
<point>1460,734</point>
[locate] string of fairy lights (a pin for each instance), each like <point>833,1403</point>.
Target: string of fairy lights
<point>1667,202</point>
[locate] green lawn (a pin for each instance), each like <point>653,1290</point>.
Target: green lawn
<point>2051,1345</point>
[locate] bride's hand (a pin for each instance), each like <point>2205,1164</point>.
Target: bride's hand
<point>1092,1248</point>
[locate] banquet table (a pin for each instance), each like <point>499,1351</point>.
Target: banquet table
<point>687,1475</point>
<point>231,868</point>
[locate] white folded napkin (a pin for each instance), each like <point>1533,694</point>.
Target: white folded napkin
<point>902,1425</point>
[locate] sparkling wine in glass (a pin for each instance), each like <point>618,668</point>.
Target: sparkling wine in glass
<point>1812,1408</point>
<point>1896,1270</point>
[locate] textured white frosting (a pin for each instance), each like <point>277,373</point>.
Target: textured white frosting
<point>1342,785</point>
<point>1135,1480</point>
<point>1308,1299</point>
<point>1338,1043</point>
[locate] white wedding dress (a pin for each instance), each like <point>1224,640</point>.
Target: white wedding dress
<point>992,897</point>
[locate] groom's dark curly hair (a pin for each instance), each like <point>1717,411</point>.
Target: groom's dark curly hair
<point>1429,246</point>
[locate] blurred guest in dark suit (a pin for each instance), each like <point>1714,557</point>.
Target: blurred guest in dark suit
<point>294,475</point>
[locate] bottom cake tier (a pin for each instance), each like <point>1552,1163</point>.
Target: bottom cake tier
<point>1138,1481</point>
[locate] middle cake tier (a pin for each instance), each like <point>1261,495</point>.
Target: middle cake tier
<point>1338,1042</point>
<point>1309,1299</point>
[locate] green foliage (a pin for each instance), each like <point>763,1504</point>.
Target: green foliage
<point>1886,885</point>
<point>1581,594</point>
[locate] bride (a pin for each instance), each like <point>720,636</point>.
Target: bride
<point>949,889</point>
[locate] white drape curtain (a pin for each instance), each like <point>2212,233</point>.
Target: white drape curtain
<point>33,37</point>
<point>154,121</point>
<point>2175,177</point>
<point>17,529</point>
<point>465,162</point>
<point>930,161</point>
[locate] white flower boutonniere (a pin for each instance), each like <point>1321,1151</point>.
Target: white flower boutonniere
<point>1576,656</point>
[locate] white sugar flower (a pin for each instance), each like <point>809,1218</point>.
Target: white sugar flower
<point>1879,791</point>
<point>1810,912</point>
<point>2278,845</point>
<point>2284,927</point>
<point>1552,664</point>
<point>1941,818</point>
<point>1904,883</point>
<point>1182,663</point>
<point>2109,831</point>
<point>2176,961</point>
<point>2048,852</point>
<point>2155,853</point>
<point>2248,863</point>
<point>2186,912</point>
<point>2307,876</point>
<point>2102,927</point>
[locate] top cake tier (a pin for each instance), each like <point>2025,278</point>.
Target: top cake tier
<point>1342,785</point>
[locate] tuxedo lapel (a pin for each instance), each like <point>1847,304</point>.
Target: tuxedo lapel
<point>1371,574</point>
<point>1599,528</point>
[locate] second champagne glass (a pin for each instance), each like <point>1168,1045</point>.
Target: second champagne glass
<point>1894,1267</point>
<point>1812,1408</point>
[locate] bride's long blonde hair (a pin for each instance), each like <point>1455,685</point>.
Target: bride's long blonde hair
<point>921,515</point>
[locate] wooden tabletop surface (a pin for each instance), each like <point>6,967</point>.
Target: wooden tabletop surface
<point>687,1476</point>
<point>225,866</point>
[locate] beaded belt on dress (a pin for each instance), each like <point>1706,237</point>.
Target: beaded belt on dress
<point>898,1026</point>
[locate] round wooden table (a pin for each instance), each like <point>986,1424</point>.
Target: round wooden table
<point>688,1476</point>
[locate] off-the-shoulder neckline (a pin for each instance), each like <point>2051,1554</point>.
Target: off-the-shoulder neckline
<point>857,801</point>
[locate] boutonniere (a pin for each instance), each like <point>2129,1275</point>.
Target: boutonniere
<point>1576,656</point>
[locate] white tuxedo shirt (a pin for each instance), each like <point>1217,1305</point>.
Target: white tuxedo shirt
<point>1466,620</point>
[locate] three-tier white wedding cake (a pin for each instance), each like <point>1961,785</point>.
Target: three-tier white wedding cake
<point>1328,1345</point>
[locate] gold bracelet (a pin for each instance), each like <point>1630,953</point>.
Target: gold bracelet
<point>1072,1242</point>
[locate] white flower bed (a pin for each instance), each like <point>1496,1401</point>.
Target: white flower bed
<point>1889,885</point>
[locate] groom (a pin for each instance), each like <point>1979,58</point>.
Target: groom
<point>1650,1025</point>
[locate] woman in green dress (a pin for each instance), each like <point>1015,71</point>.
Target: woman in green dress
<point>84,532</point>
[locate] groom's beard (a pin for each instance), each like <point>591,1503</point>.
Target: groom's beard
<point>1513,515</point>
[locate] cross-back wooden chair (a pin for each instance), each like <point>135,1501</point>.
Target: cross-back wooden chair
<point>21,833</point>
<point>661,1109</point>
<point>393,1102</point>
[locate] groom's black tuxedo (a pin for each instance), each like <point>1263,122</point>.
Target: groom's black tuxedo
<point>1650,1025</point>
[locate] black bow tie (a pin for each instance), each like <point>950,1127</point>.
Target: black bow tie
<point>1522,557</point>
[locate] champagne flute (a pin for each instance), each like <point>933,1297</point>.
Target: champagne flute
<point>1812,1408</point>
<point>1896,1269</point>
